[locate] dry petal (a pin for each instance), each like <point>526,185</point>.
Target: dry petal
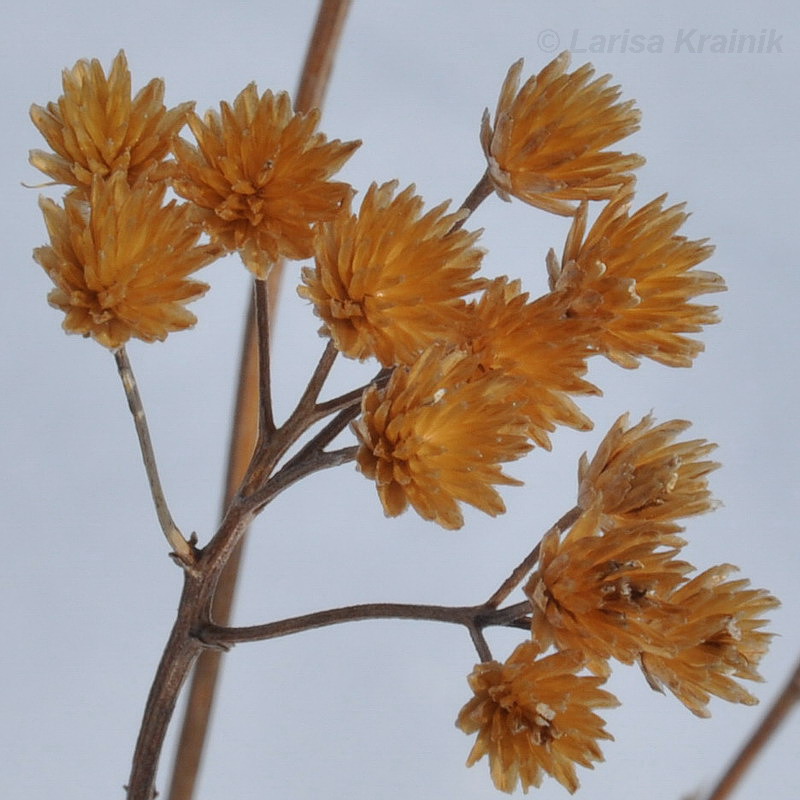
<point>548,144</point>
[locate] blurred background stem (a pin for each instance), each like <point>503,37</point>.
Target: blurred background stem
<point>200,697</point>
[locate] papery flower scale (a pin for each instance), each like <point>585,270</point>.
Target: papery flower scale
<point>96,127</point>
<point>640,473</point>
<point>121,262</point>
<point>643,251</point>
<point>547,145</point>
<point>436,434</point>
<point>260,177</point>
<point>718,640</point>
<point>534,715</point>
<point>390,280</point>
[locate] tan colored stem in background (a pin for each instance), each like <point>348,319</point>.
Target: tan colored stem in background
<point>200,698</point>
<point>786,701</point>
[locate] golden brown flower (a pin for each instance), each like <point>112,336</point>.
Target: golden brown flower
<point>96,128</point>
<point>605,594</point>
<point>549,139</point>
<point>643,252</point>
<point>259,176</point>
<point>535,715</point>
<point>391,280</point>
<point>436,434</point>
<point>121,262</point>
<point>538,343</point>
<point>718,639</point>
<point>640,473</point>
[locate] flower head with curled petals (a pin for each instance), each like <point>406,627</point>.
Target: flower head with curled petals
<point>436,435</point>
<point>643,252</point>
<point>121,263</point>
<point>718,639</point>
<point>548,142</point>
<point>534,716</point>
<point>96,128</point>
<point>606,594</point>
<point>538,343</point>
<point>391,280</point>
<point>640,473</point>
<point>259,177</point>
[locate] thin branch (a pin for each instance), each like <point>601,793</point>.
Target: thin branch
<point>309,397</point>
<point>528,563</point>
<point>352,398</point>
<point>481,645</point>
<point>295,470</point>
<point>776,714</point>
<point>475,618</point>
<point>182,549</point>
<point>482,189</point>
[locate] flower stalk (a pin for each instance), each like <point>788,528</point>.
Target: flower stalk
<point>182,550</point>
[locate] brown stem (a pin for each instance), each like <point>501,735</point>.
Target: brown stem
<point>295,470</point>
<point>528,563</point>
<point>182,549</point>
<point>472,617</point>
<point>783,704</point>
<point>482,189</point>
<point>179,655</point>
<point>313,83</point>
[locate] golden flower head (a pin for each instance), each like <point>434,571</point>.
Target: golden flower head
<point>641,273</point>
<point>549,139</point>
<point>121,262</point>
<point>719,639</point>
<point>538,343</point>
<point>96,128</point>
<point>436,434</point>
<point>640,473</point>
<point>259,176</point>
<point>604,594</point>
<point>534,716</point>
<point>391,280</point>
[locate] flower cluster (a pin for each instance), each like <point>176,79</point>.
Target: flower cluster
<point>257,182</point>
<point>120,258</point>
<point>391,280</point>
<point>475,372</point>
<point>613,586</point>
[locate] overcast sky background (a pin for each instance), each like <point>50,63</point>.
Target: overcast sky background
<point>87,591</point>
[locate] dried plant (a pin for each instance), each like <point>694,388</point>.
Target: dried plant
<point>471,374</point>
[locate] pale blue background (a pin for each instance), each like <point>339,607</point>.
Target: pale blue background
<point>86,590</point>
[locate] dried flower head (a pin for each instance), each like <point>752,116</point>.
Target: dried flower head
<point>121,262</point>
<point>549,139</point>
<point>640,473</point>
<point>538,343</point>
<point>391,280</point>
<point>604,594</point>
<point>534,715</point>
<point>718,640</point>
<point>96,128</point>
<point>259,176</point>
<point>436,435</point>
<point>643,252</point>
